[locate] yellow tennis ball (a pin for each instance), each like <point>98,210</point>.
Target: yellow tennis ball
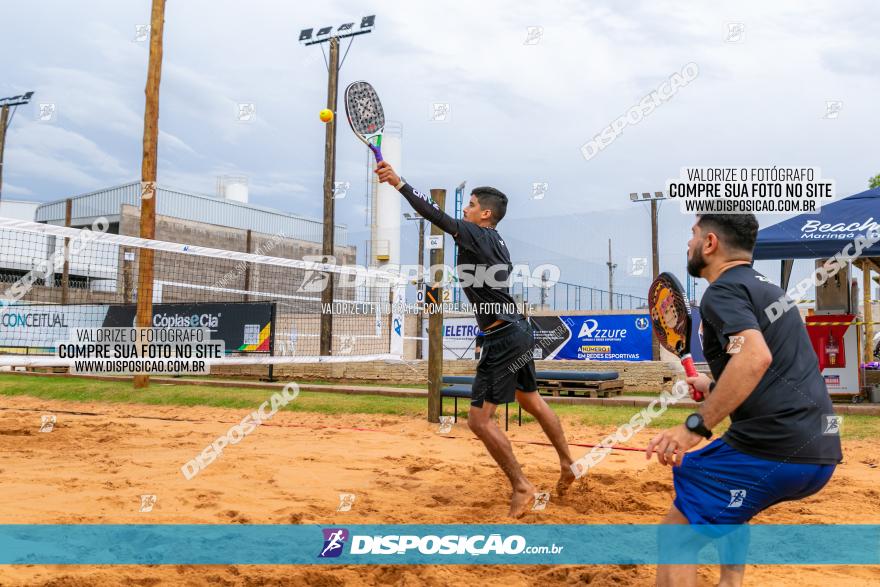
<point>326,115</point>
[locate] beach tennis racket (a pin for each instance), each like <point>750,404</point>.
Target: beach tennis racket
<point>365,115</point>
<point>671,319</point>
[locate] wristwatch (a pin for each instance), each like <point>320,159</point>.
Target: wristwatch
<point>695,424</point>
<point>401,184</point>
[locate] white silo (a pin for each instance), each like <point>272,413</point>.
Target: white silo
<point>386,206</point>
<point>233,187</point>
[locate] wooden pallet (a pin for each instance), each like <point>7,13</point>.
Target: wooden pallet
<point>582,388</point>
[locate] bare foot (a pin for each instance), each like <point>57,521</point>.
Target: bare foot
<point>566,478</point>
<point>521,500</point>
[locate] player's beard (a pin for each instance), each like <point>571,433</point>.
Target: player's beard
<point>696,263</point>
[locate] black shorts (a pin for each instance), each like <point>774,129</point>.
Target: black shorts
<point>506,364</point>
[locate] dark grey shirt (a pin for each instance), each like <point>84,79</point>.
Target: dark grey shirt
<point>788,417</point>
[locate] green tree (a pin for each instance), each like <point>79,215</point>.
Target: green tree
<point>874,182</point>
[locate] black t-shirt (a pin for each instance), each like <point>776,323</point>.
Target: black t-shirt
<point>789,416</point>
<point>482,257</point>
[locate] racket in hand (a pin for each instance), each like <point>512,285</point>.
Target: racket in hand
<point>365,115</point>
<point>671,319</point>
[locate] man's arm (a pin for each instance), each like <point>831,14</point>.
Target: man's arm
<point>741,375</point>
<point>740,378</point>
<point>421,203</point>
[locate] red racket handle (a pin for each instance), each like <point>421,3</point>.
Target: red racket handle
<point>687,362</point>
<point>690,370</point>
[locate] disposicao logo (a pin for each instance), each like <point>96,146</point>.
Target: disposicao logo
<point>334,541</point>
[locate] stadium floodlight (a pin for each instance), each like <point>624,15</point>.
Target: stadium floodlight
<point>6,120</point>
<point>655,199</point>
<point>16,100</point>
<point>325,33</point>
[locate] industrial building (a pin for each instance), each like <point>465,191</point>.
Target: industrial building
<point>226,221</point>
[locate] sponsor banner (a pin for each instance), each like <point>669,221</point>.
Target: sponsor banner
<point>517,544</point>
<point>41,326</point>
<point>601,337</point>
<point>243,327</point>
<point>459,336</point>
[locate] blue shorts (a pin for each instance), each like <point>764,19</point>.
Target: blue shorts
<point>721,485</point>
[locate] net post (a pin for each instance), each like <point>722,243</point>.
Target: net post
<point>65,272</point>
<point>435,320</point>
<point>271,377</point>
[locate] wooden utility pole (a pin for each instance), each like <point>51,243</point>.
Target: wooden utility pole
<point>4,123</point>
<point>14,101</point>
<point>148,174</point>
<point>435,320</point>
<point>329,181</point>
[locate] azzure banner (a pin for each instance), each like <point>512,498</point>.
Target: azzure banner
<point>600,337</point>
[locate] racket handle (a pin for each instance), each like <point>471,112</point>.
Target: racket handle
<point>377,152</point>
<point>687,362</point>
<point>690,370</point>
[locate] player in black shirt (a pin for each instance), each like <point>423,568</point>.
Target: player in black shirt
<point>506,369</point>
<point>783,442</point>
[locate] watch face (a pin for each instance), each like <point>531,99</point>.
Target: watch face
<point>692,421</point>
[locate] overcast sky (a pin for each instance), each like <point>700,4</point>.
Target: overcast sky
<point>519,109</point>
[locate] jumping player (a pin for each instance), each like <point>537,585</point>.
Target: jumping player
<point>506,369</point>
<point>782,443</point>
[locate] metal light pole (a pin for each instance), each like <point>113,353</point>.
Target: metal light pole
<point>655,250</point>
<point>611,268</point>
<point>420,284</point>
<point>459,203</point>
<point>324,35</point>
<point>6,120</point>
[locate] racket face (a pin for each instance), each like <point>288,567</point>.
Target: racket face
<point>670,314</point>
<point>364,111</point>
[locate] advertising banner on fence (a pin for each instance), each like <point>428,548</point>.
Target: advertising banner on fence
<point>37,327</point>
<point>619,337</point>
<point>458,337</point>
<point>244,327</point>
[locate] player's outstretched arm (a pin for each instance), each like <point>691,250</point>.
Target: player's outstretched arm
<point>421,203</point>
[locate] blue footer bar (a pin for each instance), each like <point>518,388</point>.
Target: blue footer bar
<point>206,544</point>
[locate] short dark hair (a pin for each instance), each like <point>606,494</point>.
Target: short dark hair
<point>737,231</point>
<point>491,199</point>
